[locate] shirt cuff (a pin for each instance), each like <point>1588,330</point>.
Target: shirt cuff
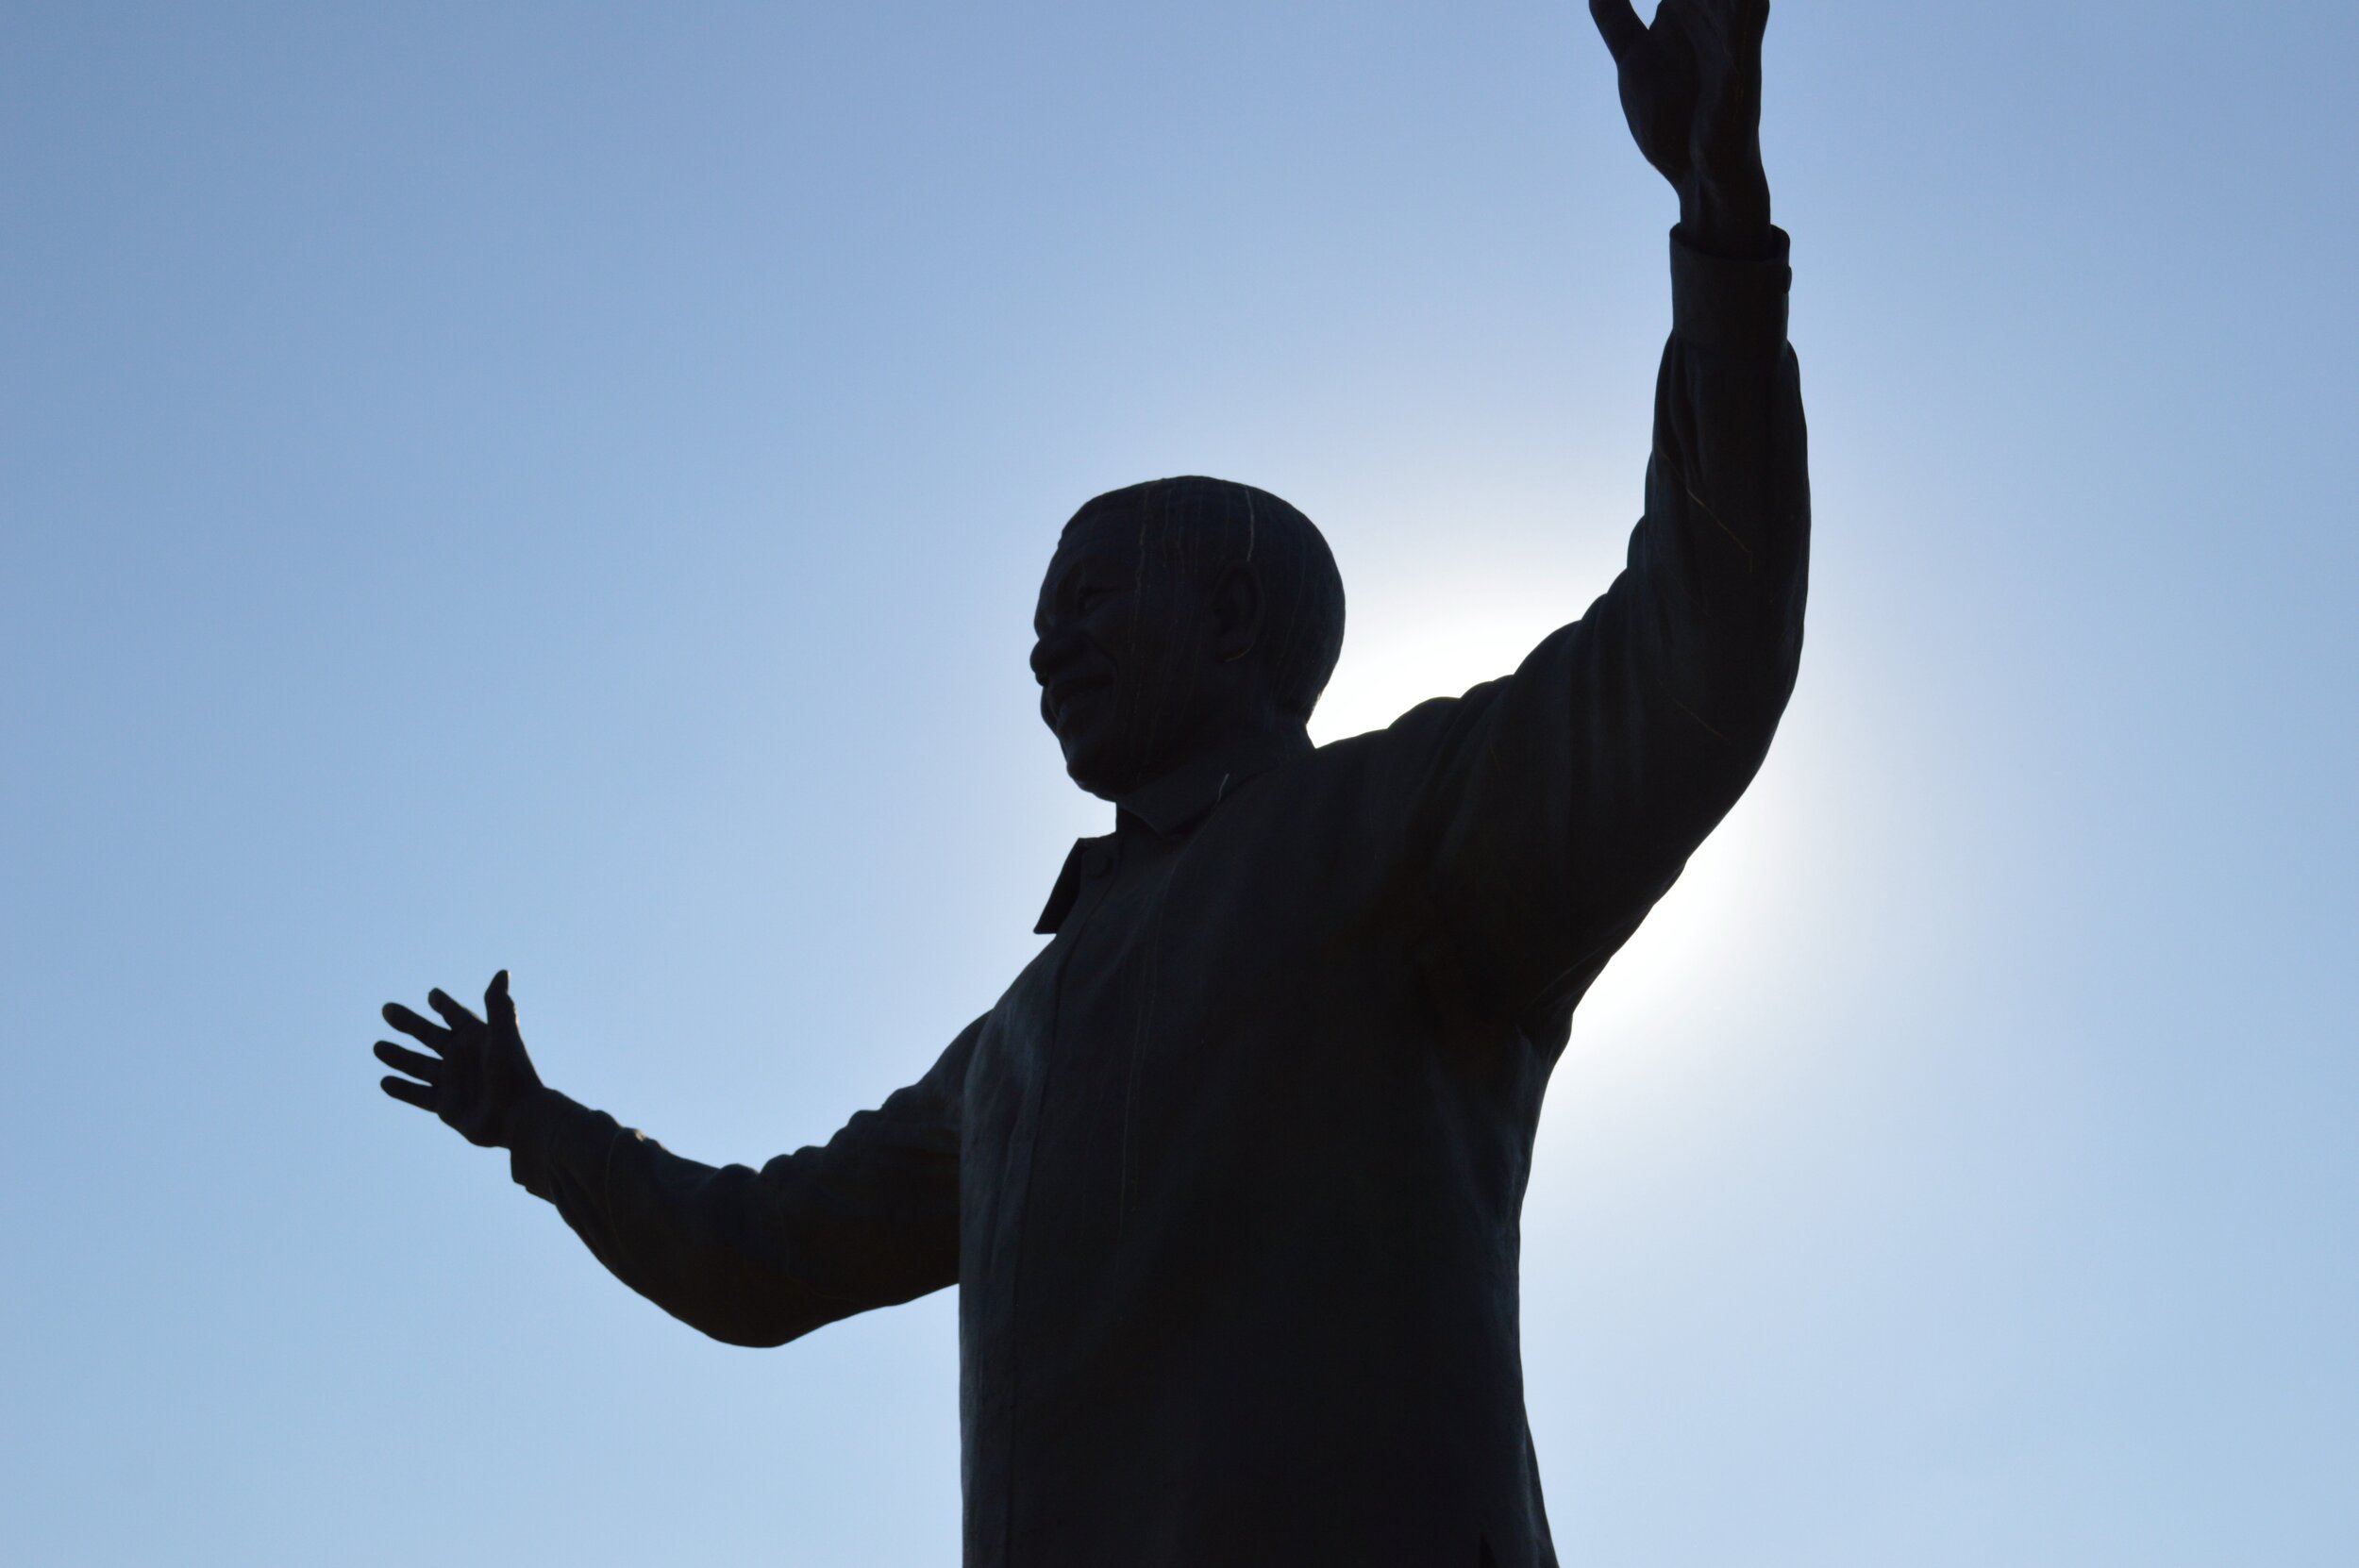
<point>552,1132</point>
<point>1719,302</point>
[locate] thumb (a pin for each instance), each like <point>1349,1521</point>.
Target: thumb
<point>499,1010</point>
<point>1618,24</point>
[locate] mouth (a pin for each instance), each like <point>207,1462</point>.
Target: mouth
<point>1061,698</point>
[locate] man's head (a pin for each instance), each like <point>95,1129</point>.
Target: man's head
<point>1177,613</point>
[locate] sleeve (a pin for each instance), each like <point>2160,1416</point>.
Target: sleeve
<point>1563,800</point>
<point>759,1258</point>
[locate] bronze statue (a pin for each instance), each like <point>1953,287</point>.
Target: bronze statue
<point>1229,1178</point>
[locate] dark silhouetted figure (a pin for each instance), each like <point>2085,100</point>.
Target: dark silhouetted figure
<point>1229,1178</point>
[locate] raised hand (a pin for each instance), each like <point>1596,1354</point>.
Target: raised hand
<point>1691,89</point>
<point>479,1073</point>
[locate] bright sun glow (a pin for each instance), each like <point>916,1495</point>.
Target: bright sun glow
<point>1689,966</point>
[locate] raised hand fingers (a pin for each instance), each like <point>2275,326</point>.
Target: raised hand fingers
<point>499,1007</point>
<point>417,1064</point>
<point>1618,23</point>
<point>458,1018</point>
<point>425,1097</point>
<point>432,1036</point>
<point>1722,27</point>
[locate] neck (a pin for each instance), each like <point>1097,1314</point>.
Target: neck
<point>1193,783</point>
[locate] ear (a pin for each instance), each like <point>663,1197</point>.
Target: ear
<point>1236,613</point>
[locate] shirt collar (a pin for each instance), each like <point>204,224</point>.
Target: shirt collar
<point>1176,802</point>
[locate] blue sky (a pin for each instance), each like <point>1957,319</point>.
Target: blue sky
<point>563,487</point>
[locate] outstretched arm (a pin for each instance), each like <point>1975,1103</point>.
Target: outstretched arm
<point>868,1219</point>
<point>1567,797</point>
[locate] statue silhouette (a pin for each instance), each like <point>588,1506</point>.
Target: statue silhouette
<point>1230,1178</point>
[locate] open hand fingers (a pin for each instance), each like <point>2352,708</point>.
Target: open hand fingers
<point>432,1036</point>
<point>416,1063</point>
<point>458,1018</point>
<point>499,1007</point>
<point>1720,28</point>
<point>425,1097</point>
<point>1618,23</point>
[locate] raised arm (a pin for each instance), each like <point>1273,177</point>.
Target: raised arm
<point>751,1256</point>
<point>1566,797</point>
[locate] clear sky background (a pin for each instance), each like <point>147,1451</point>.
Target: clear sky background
<point>563,487</point>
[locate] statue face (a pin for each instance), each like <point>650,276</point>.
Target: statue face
<point>1129,681</point>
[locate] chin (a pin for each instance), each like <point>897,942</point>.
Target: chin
<point>1095,767</point>
<point>1098,782</point>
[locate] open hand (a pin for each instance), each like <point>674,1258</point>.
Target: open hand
<point>479,1073</point>
<point>1691,91</point>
